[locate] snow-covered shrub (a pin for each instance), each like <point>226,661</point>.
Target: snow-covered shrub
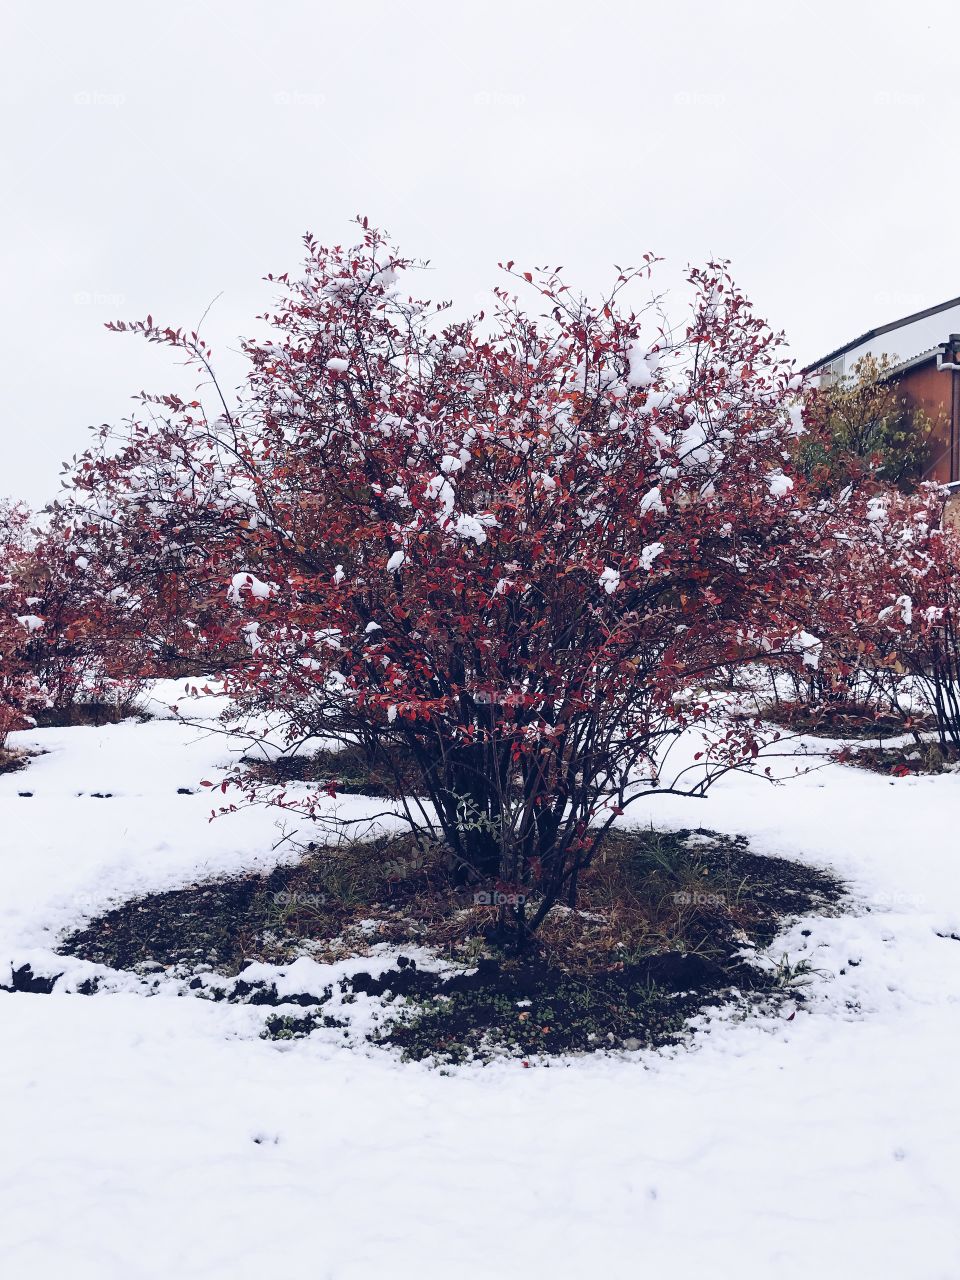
<point>20,692</point>
<point>518,549</point>
<point>901,597</point>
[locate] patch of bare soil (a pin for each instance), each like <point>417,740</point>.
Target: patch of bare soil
<point>665,924</point>
<point>902,761</point>
<point>843,720</point>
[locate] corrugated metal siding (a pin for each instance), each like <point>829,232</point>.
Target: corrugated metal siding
<point>909,340</point>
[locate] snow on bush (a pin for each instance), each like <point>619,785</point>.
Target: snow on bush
<point>20,692</point>
<point>515,552</point>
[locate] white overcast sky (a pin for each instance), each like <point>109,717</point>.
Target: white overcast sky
<point>155,156</point>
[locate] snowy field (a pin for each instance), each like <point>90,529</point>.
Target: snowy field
<point>161,1139</point>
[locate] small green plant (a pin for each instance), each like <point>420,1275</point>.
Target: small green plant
<point>789,975</point>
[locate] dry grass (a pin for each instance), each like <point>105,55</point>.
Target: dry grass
<point>844,719</point>
<point>11,761</point>
<point>663,928</point>
<point>649,893</point>
<point>354,770</point>
<point>75,714</point>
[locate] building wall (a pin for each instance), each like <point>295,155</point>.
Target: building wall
<point>931,390</point>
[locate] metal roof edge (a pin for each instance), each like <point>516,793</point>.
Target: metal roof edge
<point>883,328</point>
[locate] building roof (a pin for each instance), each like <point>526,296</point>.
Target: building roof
<point>922,357</point>
<point>884,328</point>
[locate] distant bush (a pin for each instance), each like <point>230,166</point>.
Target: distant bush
<point>861,429</point>
<point>20,691</point>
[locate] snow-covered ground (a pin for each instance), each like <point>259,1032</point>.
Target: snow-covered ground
<point>161,1139</point>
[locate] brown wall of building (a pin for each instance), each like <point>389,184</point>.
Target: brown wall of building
<point>931,389</point>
